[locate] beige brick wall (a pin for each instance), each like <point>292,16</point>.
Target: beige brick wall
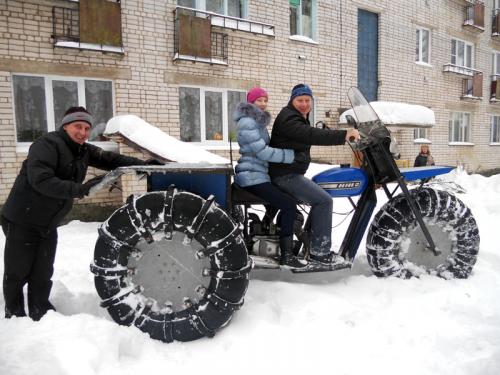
<point>146,79</point>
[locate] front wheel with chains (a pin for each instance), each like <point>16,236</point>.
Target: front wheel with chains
<point>396,245</point>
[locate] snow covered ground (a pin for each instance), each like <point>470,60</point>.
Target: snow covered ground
<point>348,322</point>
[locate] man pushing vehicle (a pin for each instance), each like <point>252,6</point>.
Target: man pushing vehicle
<point>50,178</point>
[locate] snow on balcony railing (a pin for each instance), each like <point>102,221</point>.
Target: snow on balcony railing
<point>233,23</point>
<point>461,70</point>
<point>88,46</point>
<point>207,60</point>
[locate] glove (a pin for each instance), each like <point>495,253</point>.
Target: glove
<point>300,157</point>
<point>85,188</point>
<point>153,162</point>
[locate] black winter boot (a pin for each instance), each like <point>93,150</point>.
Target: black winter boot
<point>287,258</point>
<point>13,295</point>
<point>36,312</point>
<point>38,299</point>
<point>329,259</point>
<point>10,313</point>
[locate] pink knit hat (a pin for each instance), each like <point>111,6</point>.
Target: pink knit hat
<point>256,93</point>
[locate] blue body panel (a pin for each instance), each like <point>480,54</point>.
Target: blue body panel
<point>419,173</point>
<point>216,184</point>
<point>342,182</point>
<point>349,182</point>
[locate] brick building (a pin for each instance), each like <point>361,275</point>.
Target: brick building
<point>183,65</point>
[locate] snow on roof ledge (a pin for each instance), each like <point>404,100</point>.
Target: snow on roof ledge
<point>402,115</point>
<point>158,142</point>
<point>422,141</point>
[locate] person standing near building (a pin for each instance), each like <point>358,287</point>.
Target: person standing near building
<point>293,130</point>
<point>252,168</point>
<point>424,157</point>
<point>50,178</point>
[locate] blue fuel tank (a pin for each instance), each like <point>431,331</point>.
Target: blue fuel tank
<point>342,181</point>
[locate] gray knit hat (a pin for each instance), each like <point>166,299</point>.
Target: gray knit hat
<point>77,116</point>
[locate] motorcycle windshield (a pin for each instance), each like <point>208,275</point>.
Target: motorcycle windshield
<point>369,123</point>
<point>363,110</point>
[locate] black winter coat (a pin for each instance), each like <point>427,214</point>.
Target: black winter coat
<point>292,130</point>
<point>51,176</point>
<point>421,160</point>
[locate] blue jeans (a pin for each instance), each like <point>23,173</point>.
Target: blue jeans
<point>321,204</point>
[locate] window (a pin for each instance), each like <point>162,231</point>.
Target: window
<point>459,127</point>
<point>40,103</point>
<point>303,18</point>
<point>206,114</point>
<point>495,129</point>
<point>462,53</point>
<point>496,4</point>
<point>423,46</point>
<point>419,133</point>
<point>233,8</point>
<point>495,63</point>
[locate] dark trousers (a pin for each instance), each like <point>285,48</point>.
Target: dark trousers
<point>280,200</point>
<point>320,216</point>
<point>28,259</point>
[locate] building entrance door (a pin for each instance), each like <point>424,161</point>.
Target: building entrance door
<point>368,54</point>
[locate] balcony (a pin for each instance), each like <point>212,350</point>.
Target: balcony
<point>65,24</point>
<point>459,70</point>
<point>472,88</point>
<point>92,25</point>
<point>474,17</point>
<point>195,41</point>
<point>495,25</point>
<point>495,88</point>
<point>227,22</point>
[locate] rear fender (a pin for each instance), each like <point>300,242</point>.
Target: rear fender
<point>419,173</point>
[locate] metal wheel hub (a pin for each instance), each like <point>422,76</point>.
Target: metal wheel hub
<point>414,246</point>
<point>169,271</point>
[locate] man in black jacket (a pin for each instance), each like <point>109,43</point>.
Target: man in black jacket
<point>293,130</point>
<point>50,178</point>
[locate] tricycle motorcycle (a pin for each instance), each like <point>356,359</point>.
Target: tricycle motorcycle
<point>175,262</point>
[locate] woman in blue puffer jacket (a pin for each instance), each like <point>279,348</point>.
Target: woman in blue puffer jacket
<point>252,168</point>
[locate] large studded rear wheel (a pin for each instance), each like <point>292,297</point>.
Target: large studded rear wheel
<point>172,264</point>
<point>396,245</point>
